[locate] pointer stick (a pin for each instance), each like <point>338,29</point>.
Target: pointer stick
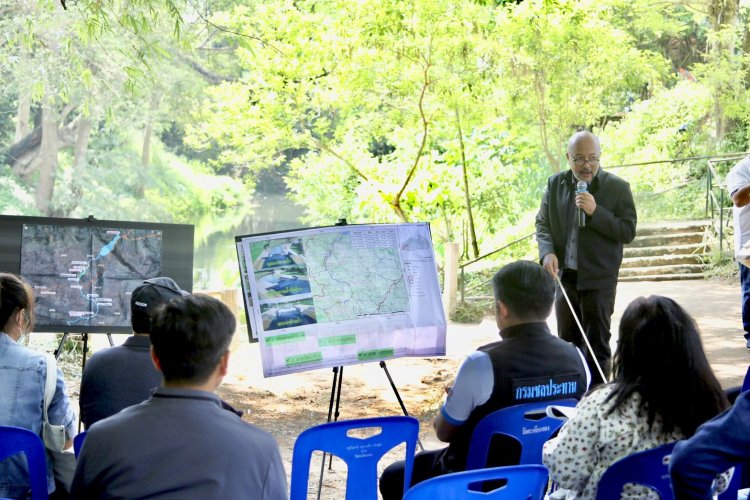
<point>575,317</point>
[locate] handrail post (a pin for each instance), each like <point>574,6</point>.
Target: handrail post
<point>708,188</point>
<point>463,284</point>
<point>721,223</point>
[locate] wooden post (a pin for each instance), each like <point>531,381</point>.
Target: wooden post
<point>450,278</point>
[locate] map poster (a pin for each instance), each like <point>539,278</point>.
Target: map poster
<point>341,295</point>
<point>83,276</point>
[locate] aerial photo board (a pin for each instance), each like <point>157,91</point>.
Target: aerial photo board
<point>340,295</point>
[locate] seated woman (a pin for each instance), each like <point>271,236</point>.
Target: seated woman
<point>663,389</point>
<point>22,380</point>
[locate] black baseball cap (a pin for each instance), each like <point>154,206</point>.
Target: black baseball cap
<point>147,297</point>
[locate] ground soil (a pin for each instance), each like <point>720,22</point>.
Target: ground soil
<point>288,404</point>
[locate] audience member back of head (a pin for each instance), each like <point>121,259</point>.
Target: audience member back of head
<point>182,443</point>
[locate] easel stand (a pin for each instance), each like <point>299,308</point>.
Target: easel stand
<point>338,377</point>
<point>85,337</point>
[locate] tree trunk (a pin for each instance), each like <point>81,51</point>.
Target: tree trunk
<point>23,115</point>
<point>82,143</point>
<point>396,203</point>
<point>467,196</point>
<point>47,160</point>
<point>80,146</point>
<point>148,132</point>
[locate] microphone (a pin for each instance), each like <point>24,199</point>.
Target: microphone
<point>581,187</point>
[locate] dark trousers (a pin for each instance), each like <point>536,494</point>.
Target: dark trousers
<point>745,285</point>
<point>594,310</point>
<point>426,465</point>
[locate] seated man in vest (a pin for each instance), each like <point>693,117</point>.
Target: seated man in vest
<point>124,375</point>
<point>500,374</point>
<point>182,443</point>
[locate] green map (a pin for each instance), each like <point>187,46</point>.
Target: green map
<point>351,280</point>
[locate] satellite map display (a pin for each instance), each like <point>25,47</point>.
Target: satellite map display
<point>83,276</point>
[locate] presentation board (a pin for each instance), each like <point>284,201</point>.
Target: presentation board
<point>84,270</point>
<point>341,295</point>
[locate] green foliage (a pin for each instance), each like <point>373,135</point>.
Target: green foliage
<point>721,266</point>
<point>14,198</point>
<point>671,124</point>
<point>370,109</point>
<point>116,186</point>
<point>472,312</point>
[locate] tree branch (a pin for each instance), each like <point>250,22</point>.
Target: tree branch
<point>325,147</point>
<point>397,201</point>
<point>231,32</point>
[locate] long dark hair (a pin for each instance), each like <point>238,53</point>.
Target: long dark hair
<point>15,293</point>
<point>660,356</point>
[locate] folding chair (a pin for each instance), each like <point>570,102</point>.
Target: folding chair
<point>15,440</point>
<point>527,423</point>
<point>78,442</point>
<point>647,468</point>
<point>522,482</point>
<point>360,454</point>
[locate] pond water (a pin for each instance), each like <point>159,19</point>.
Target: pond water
<point>215,264</point>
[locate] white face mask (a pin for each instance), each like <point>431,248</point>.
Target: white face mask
<point>24,331</point>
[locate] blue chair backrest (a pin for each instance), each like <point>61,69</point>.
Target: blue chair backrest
<point>360,454</point>
<point>521,422</point>
<point>78,442</point>
<point>524,482</point>
<point>647,468</point>
<point>14,440</point>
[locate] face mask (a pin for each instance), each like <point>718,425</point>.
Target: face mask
<point>24,332</point>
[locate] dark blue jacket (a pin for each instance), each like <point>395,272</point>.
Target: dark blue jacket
<point>717,445</point>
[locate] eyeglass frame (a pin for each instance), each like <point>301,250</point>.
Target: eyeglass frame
<point>579,162</point>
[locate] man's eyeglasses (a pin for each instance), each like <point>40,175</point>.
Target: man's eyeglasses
<point>579,161</point>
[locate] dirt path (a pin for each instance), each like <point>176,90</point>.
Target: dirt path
<point>288,404</point>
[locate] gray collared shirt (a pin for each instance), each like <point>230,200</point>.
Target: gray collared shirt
<point>180,443</point>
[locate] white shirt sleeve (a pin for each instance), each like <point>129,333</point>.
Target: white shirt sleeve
<point>739,176</point>
<point>472,388</point>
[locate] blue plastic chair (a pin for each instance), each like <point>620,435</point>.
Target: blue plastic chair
<point>360,454</point>
<point>78,442</point>
<point>647,468</point>
<point>520,422</point>
<point>14,440</point>
<point>524,482</point>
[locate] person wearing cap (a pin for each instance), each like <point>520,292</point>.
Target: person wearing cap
<point>181,442</point>
<point>122,376</point>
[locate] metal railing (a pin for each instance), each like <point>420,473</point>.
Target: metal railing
<point>463,266</point>
<point>713,180</point>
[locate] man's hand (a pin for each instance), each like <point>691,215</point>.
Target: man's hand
<point>586,202</point>
<point>549,262</point>
<point>443,430</point>
<point>741,197</point>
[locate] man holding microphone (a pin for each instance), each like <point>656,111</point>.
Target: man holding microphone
<point>585,217</point>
